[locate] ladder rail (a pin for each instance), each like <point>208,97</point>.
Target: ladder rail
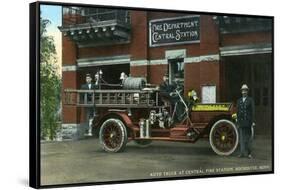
<point>114,98</point>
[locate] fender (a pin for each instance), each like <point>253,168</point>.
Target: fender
<point>128,122</point>
<point>121,115</point>
<point>125,118</point>
<point>213,121</point>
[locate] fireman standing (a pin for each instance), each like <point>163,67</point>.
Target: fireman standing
<point>245,121</point>
<point>90,111</point>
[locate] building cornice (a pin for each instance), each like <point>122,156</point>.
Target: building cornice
<point>246,49</point>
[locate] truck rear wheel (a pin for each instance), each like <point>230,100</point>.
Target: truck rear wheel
<point>113,135</point>
<point>224,137</point>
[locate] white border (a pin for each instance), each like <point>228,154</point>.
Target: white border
<point>17,177</point>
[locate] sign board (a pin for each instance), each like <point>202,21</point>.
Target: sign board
<point>212,107</point>
<point>209,94</point>
<point>178,30</point>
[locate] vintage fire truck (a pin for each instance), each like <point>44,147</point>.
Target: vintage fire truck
<point>136,112</point>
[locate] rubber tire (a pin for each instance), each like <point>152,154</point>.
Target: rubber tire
<point>124,136</point>
<point>211,138</point>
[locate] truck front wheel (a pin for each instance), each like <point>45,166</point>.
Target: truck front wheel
<point>224,137</point>
<point>113,135</point>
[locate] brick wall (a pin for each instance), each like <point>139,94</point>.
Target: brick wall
<point>156,73</point>
<point>104,51</point>
<point>70,113</point>
<point>246,38</point>
<point>69,50</point>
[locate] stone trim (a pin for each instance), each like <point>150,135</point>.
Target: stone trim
<point>139,62</point>
<point>122,60</point>
<point>158,62</point>
<point>72,131</point>
<point>214,57</point>
<point>99,61</point>
<point>173,54</point>
<point>69,68</point>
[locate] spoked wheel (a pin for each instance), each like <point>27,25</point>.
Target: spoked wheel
<point>113,135</point>
<point>143,143</point>
<point>224,137</point>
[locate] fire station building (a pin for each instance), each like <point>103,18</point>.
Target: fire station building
<point>212,54</point>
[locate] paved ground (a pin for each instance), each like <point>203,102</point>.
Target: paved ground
<point>84,161</point>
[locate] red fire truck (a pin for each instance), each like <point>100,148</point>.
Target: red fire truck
<point>139,113</point>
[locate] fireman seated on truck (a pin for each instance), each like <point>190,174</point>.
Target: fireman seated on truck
<point>167,93</point>
<point>166,90</point>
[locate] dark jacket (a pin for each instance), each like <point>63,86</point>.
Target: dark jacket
<point>166,89</point>
<point>245,112</point>
<point>89,95</point>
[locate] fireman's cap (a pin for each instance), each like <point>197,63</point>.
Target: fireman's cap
<point>244,87</point>
<point>88,75</point>
<point>123,76</point>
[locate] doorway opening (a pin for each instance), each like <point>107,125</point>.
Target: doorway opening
<point>110,73</point>
<point>256,72</point>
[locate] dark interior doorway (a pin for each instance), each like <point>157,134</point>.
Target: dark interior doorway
<point>255,71</point>
<point>111,73</point>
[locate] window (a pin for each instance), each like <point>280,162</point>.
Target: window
<point>176,70</point>
<point>99,14</point>
<point>209,94</point>
<point>72,11</point>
